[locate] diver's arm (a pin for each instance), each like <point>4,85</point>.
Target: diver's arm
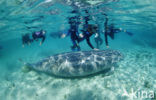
<point>88,42</point>
<point>117,30</point>
<point>43,39</point>
<point>65,34</point>
<point>125,31</point>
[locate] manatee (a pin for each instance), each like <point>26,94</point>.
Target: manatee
<point>77,64</point>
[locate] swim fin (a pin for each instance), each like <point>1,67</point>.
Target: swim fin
<point>129,33</point>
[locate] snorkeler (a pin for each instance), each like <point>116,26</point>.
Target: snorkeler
<point>88,30</point>
<point>91,29</point>
<point>113,30</point>
<point>73,32</point>
<point>110,30</point>
<point>26,40</point>
<point>38,35</point>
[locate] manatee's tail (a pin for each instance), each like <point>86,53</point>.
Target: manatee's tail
<point>26,68</point>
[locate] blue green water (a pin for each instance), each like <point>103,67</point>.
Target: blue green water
<point>137,71</point>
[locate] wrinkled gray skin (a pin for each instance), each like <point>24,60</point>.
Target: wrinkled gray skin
<point>78,64</point>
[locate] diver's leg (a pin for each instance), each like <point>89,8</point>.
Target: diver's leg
<point>77,43</point>
<point>74,45</point>
<point>97,42</point>
<point>78,47</point>
<point>100,40</point>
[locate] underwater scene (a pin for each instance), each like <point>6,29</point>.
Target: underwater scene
<point>77,49</point>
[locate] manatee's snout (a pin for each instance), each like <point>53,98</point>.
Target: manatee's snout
<point>26,68</point>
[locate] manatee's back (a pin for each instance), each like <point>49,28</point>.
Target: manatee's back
<point>77,63</point>
<point>84,62</point>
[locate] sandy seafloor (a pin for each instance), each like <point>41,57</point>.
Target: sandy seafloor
<point>136,71</point>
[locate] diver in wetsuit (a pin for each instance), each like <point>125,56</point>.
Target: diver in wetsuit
<point>73,30</point>
<point>113,30</point>
<point>110,30</point>
<point>74,37</point>
<point>88,30</point>
<point>38,35</point>
<point>91,29</point>
<point>26,40</point>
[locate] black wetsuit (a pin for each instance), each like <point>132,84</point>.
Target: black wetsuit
<point>87,35</point>
<point>76,39</point>
<point>73,31</point>
<point>26,39</point>
<point>74,36</point>
<point>38,35</point>
<point>111,31</point>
